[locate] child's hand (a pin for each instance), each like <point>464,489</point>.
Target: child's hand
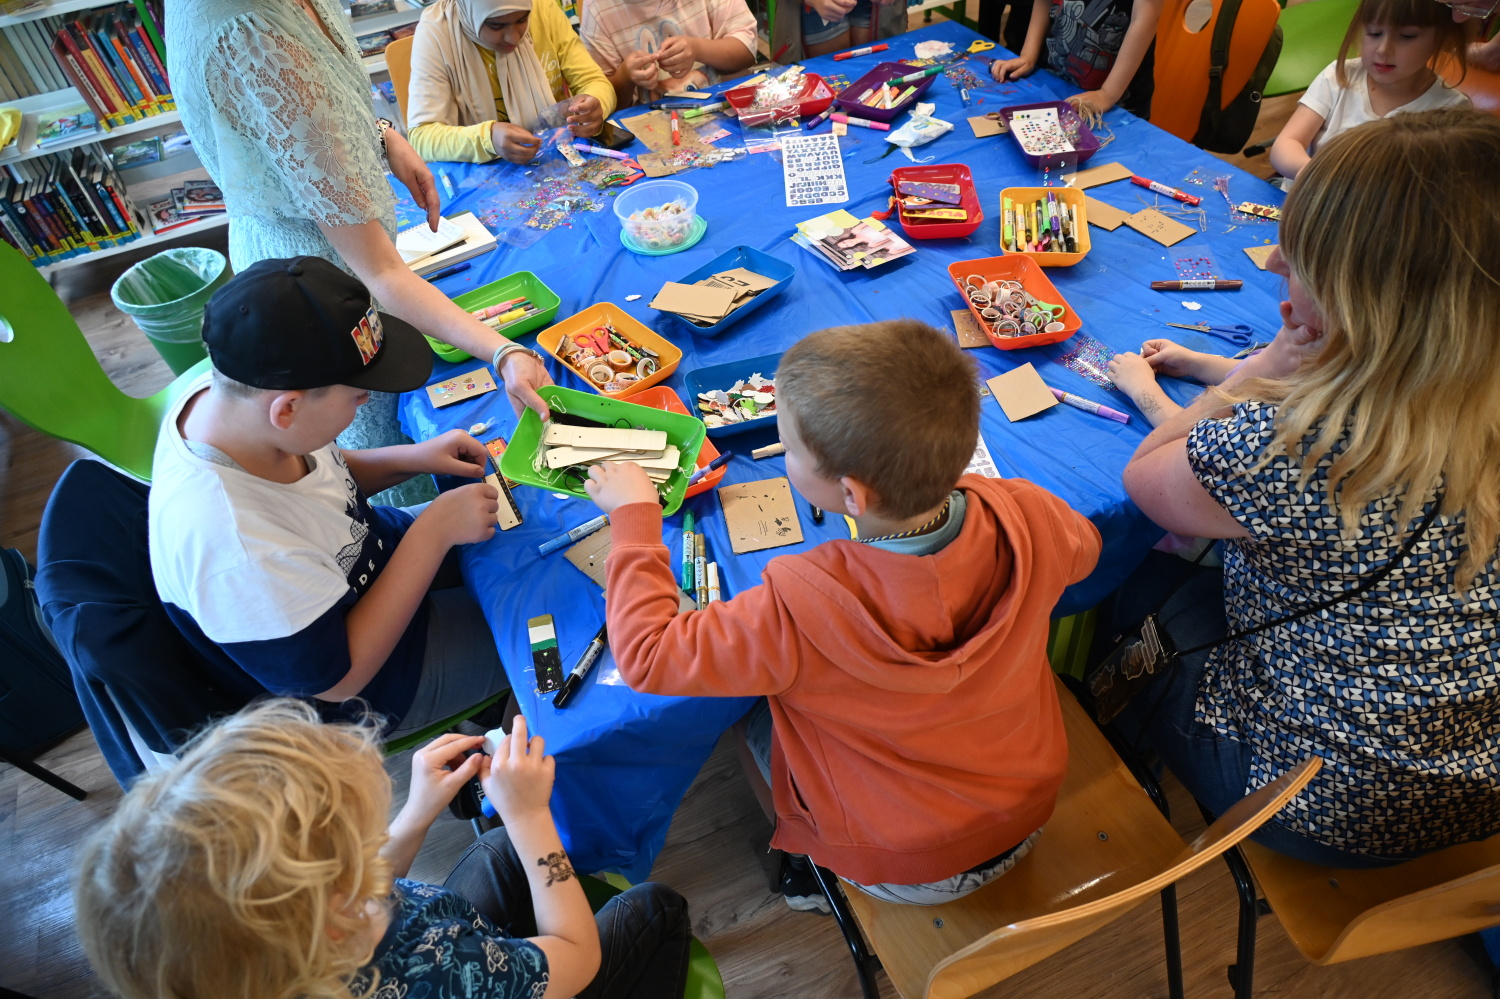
<point>585,116</point>
<point>832,10</point>
<point>513,143</point>
<point>1012,69</point>
<point>452,453</point>
<point>518,778</point>
<point>1170,358</point>
<point>1096,99</point>
<point>463,516</point>
<point>676,55</point>
<point>433,784</point>
<point>1131,373</point>
<point>641,67</point>
<point>618,484</point>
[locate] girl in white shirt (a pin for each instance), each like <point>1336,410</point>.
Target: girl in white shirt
<point>1400,41</point>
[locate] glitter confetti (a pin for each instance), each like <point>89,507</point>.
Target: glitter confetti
<point>1089,358</point>
<point>1195,262</point>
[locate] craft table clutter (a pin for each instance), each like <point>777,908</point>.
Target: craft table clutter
<point>626,759</point>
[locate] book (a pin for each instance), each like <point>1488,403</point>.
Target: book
<point>62,204</point>
<point>174,143</point>
<point>365,8</point>
<point>373,43</point>
<point>63,124</point>
<point>849,243</point>
<point>477,240</point>
<point>201,197</point>
<point>165,217</point>
<point>138,153</point>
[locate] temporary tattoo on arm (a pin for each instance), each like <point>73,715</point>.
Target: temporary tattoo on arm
<point>558,868</point>
<point>1148,405</point>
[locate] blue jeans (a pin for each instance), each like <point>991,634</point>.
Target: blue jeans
<point>815,32</point>
<point>1214,768</point>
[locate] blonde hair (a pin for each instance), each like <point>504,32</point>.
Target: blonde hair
<point>1393,229</point>
<point>1452,37</point>
<point>242,872</point>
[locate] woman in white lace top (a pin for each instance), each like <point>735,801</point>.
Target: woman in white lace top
<point>277,103</point>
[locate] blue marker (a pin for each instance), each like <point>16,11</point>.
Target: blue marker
<point>448,185</point>
<point>697,476</point>
<point>581,531</point>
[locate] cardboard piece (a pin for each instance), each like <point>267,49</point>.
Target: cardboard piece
<point>1021,393</point>
<point>1106,173</point>
<point>563,434</point>
<point>589,553</point>
<point>460,387</point>
<point>700,301</point>
<point>1102,215</point>
<point>760,515</point>
<point>1260,254</point>
<point>655,130</point>
<point>1162,228</point>
<point>967,328</point>
<point>985,127</point>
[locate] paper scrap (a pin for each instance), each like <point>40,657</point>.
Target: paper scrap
<point>1260,254</point>
<point>694,300</point>
<point>840,128</point>
<point>1106,173</point>
<point>1162,228</point>
<point>814,170</point>
<point>1021,392</point>
<point>1105,216</point>
<point>760,515</point>
<point>967,328</point>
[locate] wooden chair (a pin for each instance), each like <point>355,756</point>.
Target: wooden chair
<point>398,64</point>
<point>1106,848</point>
<point>1335,914</point>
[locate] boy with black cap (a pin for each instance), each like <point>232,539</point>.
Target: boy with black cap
<point>264,549</point>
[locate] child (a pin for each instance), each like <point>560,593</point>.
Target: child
<point>263,547</point>
<point>635,42</point>
<point>260,866</point>
<point>911,734</point>
<point>1107,47</point>
<point>1399,42</point>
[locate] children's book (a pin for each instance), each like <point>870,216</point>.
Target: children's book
<point>165,216</point>
<point>63,124</point>
<point>138,153</point>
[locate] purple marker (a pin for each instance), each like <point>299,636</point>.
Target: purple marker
<point>601,151</point>
<point>820,119</point>
<point>1089,405</point>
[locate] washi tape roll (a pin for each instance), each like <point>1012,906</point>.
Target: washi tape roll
<point>600,374</point>
<point>620,360</point>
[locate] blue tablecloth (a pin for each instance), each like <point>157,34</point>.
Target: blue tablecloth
<point>625,759</point>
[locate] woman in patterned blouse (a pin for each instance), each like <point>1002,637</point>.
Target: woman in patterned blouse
<point>1316,461</point>
<point>260,866</point>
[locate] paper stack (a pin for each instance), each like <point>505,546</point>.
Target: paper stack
<point>849,243</point>
<point>458,239</point>
<point>568,446</point>
<point>707,302</point>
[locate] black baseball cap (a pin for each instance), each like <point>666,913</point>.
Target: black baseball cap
<point>302,324</point>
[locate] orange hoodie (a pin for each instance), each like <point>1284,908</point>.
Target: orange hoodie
<point>916,731</point>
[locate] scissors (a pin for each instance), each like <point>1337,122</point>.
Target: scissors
<point>1239,335</point>
<point>980,45</point>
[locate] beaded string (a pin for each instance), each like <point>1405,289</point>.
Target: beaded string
<point>931,525</point>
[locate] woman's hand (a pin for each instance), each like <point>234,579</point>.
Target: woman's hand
<point>513,143</point>
<point>411,170</point>
<point>1012,69</point>
<point>523,375</point>
<point>677,55</point>
<point>641,67</point>
<point>1171,359</point>
<point>832,10</point>
<point>585,116</point>
<point>1132,374</point>
<point>1294,344</point>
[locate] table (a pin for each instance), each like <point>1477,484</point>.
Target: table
<point>625,759</point>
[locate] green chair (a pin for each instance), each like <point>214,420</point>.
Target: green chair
<point>703,979</point>
<point>1310,37</point>
<point>436,729</point>
<point>50,379</point>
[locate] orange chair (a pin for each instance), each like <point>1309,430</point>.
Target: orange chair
<point>398,64</point>
<point>1182,60</point>
<point>1481,85</point>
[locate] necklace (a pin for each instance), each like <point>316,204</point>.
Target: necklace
<point>931,525</point>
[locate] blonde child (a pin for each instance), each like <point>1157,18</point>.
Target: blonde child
<point>260,866</point>
<point>1399,43</point>
<point>1108,48</point>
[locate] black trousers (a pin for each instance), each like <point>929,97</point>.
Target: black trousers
<point>644,933</point>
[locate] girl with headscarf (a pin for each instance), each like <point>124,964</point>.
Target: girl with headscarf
<point>484,72</point>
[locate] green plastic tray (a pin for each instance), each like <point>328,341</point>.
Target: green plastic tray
<point>508,287</point>
<point>686,432</point>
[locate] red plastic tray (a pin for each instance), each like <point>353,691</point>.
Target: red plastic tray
<point>1086,146</point>
<point>814,99</point>
<point>1014,267</point>
<point>941,173</point>
<point>661,397</point>
<point>883,73</point>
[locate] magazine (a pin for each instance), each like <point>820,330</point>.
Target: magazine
<point>849,243</point>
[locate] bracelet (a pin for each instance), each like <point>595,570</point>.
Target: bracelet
<point>383,125</point>
<point>506,350</point>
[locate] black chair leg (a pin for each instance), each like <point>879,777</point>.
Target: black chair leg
<point>865,963</point>
<point>1242,971</point>
<point>1173,939</point>
<point>45,776</point>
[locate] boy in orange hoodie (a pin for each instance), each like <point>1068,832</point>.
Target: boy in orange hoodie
<point>911,734</point>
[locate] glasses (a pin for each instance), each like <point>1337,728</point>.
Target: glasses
<point>1472,8</point>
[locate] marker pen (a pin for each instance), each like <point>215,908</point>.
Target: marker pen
<point>820,119</point>
<point>919,76</point>
<point>769,451</point>
<point>1198,284</point>
<point>1170,192</point>
<point>705,109</point>
<point>581,531</point>
<point>700,570</point>
<point>1089,405</point>
<point>862,122</point>
<point>613,154</point>
<point>713,582</point>
<point>860,52</point>
<point>676,130</point>
<point>1010,224</point>
<point>688,544</point>
<point>580,669</point>
<point>718,462</point>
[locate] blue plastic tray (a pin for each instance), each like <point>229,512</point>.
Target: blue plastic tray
<point>721,376</point>
<point>752,260</point>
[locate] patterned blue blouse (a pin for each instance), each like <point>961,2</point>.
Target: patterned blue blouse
<point>439,947</point>
<point>1398,690</point>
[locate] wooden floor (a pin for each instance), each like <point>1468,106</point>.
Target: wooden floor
<point>713,853</point>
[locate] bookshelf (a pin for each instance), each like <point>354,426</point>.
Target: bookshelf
<point>49,10</point>
<point>146,240</point>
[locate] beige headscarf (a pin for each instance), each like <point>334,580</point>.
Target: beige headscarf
<point>449,40</point>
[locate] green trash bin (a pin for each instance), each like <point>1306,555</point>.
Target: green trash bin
<point>165,295</point>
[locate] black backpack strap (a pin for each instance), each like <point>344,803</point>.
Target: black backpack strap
<point>1218,62</point>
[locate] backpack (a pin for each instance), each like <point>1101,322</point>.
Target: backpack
<point>1226,129</point>
<point>38,706</point>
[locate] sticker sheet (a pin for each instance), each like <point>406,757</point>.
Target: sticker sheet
<point>814,170</point>
<point>1089,358</point>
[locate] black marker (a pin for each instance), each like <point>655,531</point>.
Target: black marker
<point>817,514</point>
<point>580,670</point>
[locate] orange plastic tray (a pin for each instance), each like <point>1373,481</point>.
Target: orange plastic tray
<point>1065,195</point>
<point>627,326</point>
<point>661,397</point>
<point>1016,267</point>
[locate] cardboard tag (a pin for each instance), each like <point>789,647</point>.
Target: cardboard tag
<point>545,658</point>
<point>760,515</point>
<point>460,387</point>
<point>967,328</point>
<point>509,514</point>
<point>747,279</point>
<point>985,127</point>
<point>1260,254</point>
<point>694,299</point>
<point>1162,228</point>
<point>1102,215</point>
<point>565,435</point>
<point>1106,173</point>
<point>1021,393</point>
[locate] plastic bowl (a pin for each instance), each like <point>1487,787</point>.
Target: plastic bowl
<point>661,397</point>
<point>940,173</point>
<point>1086,146</point>
<point>659,233</point>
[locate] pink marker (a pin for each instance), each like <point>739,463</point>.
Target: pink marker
<point>1089,405</point>
<point>862,122</point>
